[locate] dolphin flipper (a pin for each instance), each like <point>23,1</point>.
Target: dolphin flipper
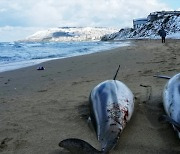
<point>78,146</point>
<point>162,76</point>
<point>170,120</point>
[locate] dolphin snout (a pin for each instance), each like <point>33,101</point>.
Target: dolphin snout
<point>110,144</point>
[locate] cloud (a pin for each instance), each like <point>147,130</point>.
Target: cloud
<point>53,13</point>
<point>3,10</point>
<point>9,33</point>
<point>16,16</point>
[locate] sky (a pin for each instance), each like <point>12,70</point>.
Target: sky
<point>21,18</point>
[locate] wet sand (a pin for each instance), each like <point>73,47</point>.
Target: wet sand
<point>38,109</point>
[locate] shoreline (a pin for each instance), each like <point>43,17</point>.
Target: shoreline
<point>41,108</point>
<point>33,62</point>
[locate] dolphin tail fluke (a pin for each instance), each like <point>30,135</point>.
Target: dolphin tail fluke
<point>116,73</point>
<point>166,118</point>
<point>162,76</point>
<point>78,146</point>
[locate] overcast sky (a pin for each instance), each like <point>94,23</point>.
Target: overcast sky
<point>20,18</point>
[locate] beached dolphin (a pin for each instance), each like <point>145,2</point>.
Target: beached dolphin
<point>112,105</point>
<point>171,101</point>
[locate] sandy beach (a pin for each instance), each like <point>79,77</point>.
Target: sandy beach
<point>38,109</point>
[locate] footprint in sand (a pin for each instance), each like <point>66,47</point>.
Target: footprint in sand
<point>4,143</point>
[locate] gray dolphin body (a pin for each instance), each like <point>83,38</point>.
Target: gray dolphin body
<point>171,102</point>
<point>112,105</point>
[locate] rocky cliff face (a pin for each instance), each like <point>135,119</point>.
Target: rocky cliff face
<point>170,22</point>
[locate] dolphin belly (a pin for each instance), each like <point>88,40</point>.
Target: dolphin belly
<point>112,105</point>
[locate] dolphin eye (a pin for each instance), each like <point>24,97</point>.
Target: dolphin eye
<point>112,124</point>
<point>116,139</point>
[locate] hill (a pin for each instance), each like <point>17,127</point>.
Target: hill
<point>70,34</point>
<point>170,22</point>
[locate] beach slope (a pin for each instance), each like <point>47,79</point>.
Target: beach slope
<point>38,109</point>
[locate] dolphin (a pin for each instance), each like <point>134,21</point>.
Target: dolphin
<point>171,102</point>
<point>111,107</point>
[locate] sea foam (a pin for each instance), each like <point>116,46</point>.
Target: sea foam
<point>16,55</point>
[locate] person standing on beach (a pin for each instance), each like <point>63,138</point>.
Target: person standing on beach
<point>162,33</point>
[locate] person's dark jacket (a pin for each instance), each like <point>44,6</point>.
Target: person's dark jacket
<point>162,33</point>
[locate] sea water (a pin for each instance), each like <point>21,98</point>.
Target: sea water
<point>14,55</point>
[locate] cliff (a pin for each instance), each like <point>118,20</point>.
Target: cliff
<point>170,22</point>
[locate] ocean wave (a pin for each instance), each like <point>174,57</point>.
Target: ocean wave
<point>32,52</point>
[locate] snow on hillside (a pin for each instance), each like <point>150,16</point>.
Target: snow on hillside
<point>70,34</point>
<point>171,24</point>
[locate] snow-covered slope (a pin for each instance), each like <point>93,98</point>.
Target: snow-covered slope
<point>70,34</point>
<point>171,24</point>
